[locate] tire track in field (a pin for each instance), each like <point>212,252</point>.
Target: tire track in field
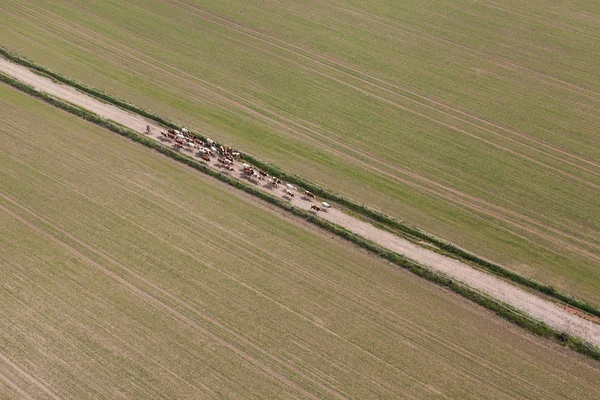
<point>152,299</point>
<point>483,210</point>
<point>363,91</point>
<point>80,28</point>
<point>67,336</point>
<point>70,338</point>
<point>341,67</point>
<point>184,304</point>
<point>459,350</point>
<point>108,331</point>
<point>438,339</point>
<point>15,387</point>
<point>316,58</point>
<point>198,257</point>
<point>165,292</point>
<point>35,381</point>
<point>534,17</point>
<point>471,51</point>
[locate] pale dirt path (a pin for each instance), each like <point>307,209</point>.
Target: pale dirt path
<point>529,303</point>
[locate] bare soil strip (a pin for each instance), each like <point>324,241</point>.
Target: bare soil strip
<point>531,304</point>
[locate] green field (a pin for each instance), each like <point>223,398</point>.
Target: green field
<point>474,120</point>
<point>125,274</point>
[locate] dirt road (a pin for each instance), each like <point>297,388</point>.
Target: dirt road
<point>531,304</point>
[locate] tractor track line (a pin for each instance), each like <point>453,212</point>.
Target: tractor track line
<point>37,382</point>
<point>154,300</point>
<point>254,34</point>
<point>386,313</point>
<point>367,93</point>
<point>528,15</point>
<point>198,258</point>
<point>316,57</point>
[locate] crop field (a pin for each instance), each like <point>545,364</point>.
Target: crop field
<point>125,274</point>
<point>474,120</point>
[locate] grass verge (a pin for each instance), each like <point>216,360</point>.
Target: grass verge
<point>505,311</point>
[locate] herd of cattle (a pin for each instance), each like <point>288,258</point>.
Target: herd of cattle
<point>226,157</point>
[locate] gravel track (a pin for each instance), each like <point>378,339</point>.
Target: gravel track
<point>535,306</point>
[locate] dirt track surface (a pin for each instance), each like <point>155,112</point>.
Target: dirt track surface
<point>529,303</point>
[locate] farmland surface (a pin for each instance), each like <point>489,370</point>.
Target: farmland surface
<point>127,275</point>
<point>531,304</point>
<point>474,120</point>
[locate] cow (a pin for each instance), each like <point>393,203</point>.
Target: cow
<point>290,193</point>
<point>309,194</point>
<point>205,157</point>
<point>315,207</point>
<point>326,205</point>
